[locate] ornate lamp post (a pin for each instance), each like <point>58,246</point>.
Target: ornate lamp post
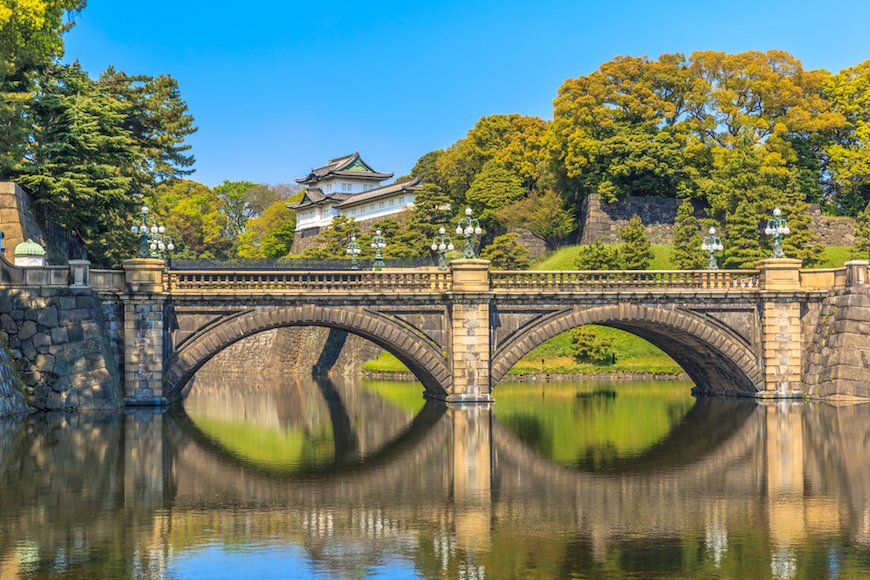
<point>442,245</point>
<point>777,227</point>
<point>712,244</point>
<point>153,241</point>
<point>469,227</point>
<point>354,250</point>
<point>378,243</point>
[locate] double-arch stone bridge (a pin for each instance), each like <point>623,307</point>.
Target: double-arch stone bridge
<point>769,332</point>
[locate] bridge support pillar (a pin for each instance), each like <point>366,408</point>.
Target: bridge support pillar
<point>781,335</point>
<point>470,340</point>
<point>144,302</point>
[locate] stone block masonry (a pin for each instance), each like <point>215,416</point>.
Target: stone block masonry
<point>11,387</point>
<point>602,221</point>
<point>58,344</point>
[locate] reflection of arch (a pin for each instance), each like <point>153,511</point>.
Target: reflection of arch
<point>407,441</point>
<point>421,356</point>
<point>702,430</point>
<point>712,435</point>
<point>714,357</point>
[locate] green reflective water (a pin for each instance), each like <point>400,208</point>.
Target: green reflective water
<point>344,479</point>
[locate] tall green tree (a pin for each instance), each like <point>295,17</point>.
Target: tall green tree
<point>494,188</point>
<point>636,250</point>
<point>270,234</point>
<point>687,239</point>
<point>234,197</point>
<point>31,37</point>
<point>332,241</point>
<point>542,214</point>
<point>742,241</point>
<point>79,161</point>
<point>191,213</point>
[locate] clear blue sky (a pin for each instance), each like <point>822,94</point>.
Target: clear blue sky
<point>278,87</point>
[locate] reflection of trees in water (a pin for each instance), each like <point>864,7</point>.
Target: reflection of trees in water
<point>292,421</point>
<point>451,493</point>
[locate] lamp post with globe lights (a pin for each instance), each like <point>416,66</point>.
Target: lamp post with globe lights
<point>153,241</point>
<point>442,244</point>
<point>378,243</point>
<point>468,227</point>
<point>354,250</point>
<point>712,244</point>
<point>777,227</point>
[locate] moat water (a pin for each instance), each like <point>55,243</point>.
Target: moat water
<point>292,478</point>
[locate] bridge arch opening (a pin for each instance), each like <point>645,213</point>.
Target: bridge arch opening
<point>716,359</point>
<point>419,354</point>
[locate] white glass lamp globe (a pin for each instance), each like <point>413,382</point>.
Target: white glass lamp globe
<point>786,230</point>
<point>145,209</point>
<point>441,230</point>
<point>153,229</point>
<point>720,247</point>
<point>353,238</point>
<point>768,231</point>
<point>458,230</point>
<point>135,229</point>
<point>170,247</point>
<point>161,246</point>
<point>143,229</point>
<point>382,245</point>
<point>712,230</point>
<point>434,247</point>
<point>449,247</point>
<point>777,212</point>
<point>468,211</point>
<point>477,231</point>
<point>153,246</point>
<point>378,232</point>
<point>705,247</point>
<point>162,229</point>
<point>442,247</point>
<point>349,251</point>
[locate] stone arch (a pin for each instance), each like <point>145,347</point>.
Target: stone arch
<point>714,357</point>
<point>422,357</point>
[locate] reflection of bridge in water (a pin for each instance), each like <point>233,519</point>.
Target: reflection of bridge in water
<point>453,479</point>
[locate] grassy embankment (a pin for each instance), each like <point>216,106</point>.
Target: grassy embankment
<point>633,355</point>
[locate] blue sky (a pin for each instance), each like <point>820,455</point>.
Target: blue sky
<point>278,87</point>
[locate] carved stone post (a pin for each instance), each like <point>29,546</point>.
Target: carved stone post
<point>470,341</point>
<point>80,273</point>
<point>781,328</point>
<point>144,302</point>
<point>856,273</point>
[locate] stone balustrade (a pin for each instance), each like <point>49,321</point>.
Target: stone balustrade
<point>597,281</point>
<point>198,281</point>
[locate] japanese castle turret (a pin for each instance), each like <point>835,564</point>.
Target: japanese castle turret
<point>348,186</point>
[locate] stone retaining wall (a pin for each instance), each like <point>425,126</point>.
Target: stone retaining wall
<point>11,395</point>
<point>602,221</point>
<point>837,363</point>
<point>59,346</point>
<point>21,218</point>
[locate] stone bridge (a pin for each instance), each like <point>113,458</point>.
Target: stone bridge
<point>771,332</point>
<point>775,331</point>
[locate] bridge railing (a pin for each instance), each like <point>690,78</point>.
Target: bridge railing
<point>579,281</point>
<point>197,281</point>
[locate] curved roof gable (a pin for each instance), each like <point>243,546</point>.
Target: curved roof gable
<point>346,166</point>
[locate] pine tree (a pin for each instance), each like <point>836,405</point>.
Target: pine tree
<point>800,243</point>
<point>506,253</point>
<point>742,247</point>
<point>862,247</point>
<point>687,239</point>
<point>636,250</point>
<point>598,256</point>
